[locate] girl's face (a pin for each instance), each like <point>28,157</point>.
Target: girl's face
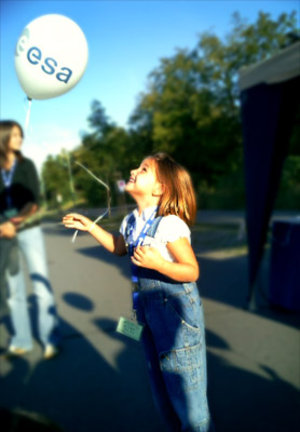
<point>143,180</point>
<point>15,141</point>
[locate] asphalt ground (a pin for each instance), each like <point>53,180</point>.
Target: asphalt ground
<point>99,381</point>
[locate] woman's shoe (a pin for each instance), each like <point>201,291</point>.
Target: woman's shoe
<point>50,351</point>
<point>16,351</point>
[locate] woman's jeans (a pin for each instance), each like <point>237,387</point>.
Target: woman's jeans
<point>31,244</point>
<point>174,343</point>
<point>9,261</point>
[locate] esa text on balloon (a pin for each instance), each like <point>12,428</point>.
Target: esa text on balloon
<point>34,56</point>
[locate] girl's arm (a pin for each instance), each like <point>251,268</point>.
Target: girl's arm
<point>112,243</point>
<point>184,269</point>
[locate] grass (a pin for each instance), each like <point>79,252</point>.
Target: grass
<point>218,241</point>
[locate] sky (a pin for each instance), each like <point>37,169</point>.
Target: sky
<point>126,40</point>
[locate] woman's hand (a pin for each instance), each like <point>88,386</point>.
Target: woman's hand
<point>25,214</point>
<point>17,220</point>
<point>147,257</point>
<point>77,221</point>
<point>7,230</point>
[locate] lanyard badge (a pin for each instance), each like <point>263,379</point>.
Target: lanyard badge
<point>130,327</point>
<point>7,177</point>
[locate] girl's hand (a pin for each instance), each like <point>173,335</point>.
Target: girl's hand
<point>77,221</point>
<point>147,257</point>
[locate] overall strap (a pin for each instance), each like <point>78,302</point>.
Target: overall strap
<point>151,231</point>
<point>139,241</point>
<point>129,226</point>
<point>153,228</point>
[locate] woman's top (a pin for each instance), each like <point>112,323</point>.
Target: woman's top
<point>24,189</point>
<point>170,229</point>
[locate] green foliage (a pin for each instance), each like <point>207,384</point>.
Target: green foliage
<point>106,152</point>
<point>289,191</point>
<point>55,179</point>
<point>190,109</point>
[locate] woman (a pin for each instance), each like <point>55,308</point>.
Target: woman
<point>19,198</point>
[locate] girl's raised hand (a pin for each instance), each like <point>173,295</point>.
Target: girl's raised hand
<point>77,221</point>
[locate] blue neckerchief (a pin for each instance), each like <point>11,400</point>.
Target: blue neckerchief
<point>139,241</point>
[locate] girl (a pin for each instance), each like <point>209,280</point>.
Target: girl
<point>19,197</point>
<point>166,298</point>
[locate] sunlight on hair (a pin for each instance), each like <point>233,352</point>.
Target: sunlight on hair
<point>179,197</point>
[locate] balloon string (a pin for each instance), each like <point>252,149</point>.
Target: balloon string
<point>93,175</point>
<point>107,211</point>
<point>28,115</point>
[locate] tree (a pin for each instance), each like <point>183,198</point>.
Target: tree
<point>106,151</point>
<point>55,179</point>
<point>191,108</point>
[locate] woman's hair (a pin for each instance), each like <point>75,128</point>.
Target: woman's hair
<point>6,127</point>
<point>178,197</point>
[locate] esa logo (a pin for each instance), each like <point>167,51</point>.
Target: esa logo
<point>49,65</point>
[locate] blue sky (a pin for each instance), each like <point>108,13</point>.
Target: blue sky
<point>126,40</point>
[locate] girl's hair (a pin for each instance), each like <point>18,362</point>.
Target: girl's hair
<point>6,127</point>
<point>178,197</point>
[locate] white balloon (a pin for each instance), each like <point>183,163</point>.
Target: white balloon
<point>51,56</point>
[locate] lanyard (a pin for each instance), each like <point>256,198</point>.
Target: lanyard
<point>139,241</point>
<point>7,177</point>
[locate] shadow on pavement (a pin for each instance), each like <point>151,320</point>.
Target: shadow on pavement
<point>233,273</point>
<point>242,401</point>
<point>224,281</point>
<point>79,390</point>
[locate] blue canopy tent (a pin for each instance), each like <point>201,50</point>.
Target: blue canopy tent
<point>269,96</point>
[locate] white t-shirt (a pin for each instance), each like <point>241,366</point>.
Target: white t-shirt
<point>170,229</point>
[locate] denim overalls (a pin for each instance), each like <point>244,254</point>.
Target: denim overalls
<point>174,343</point>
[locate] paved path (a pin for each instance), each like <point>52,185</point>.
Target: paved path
<point>99,382</point>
